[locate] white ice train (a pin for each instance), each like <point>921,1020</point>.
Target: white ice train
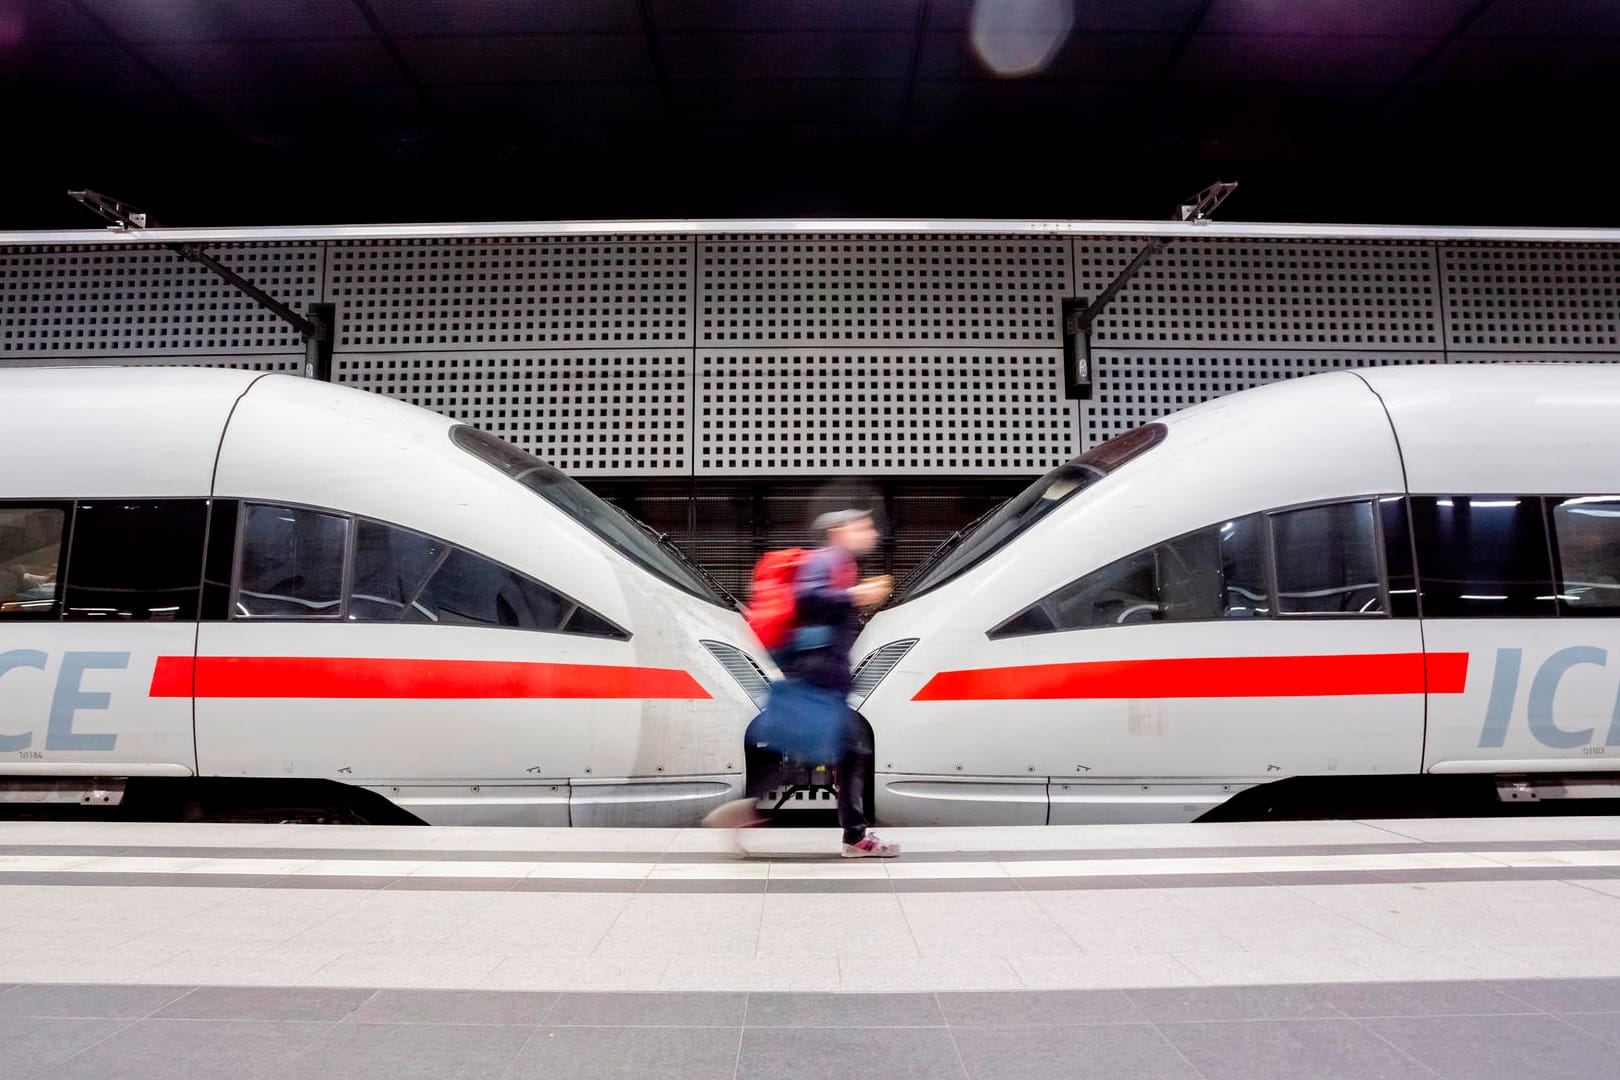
<point>211,581</point>
<point>1344,579</point>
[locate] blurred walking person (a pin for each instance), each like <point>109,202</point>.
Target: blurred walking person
<point>808,720</point>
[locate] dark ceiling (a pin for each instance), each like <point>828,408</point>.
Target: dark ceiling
<point>309,111</point>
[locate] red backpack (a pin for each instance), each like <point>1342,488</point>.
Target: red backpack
<point>771,607</point>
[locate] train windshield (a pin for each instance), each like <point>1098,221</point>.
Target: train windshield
<point>977,542</point>
<point>624,533</point>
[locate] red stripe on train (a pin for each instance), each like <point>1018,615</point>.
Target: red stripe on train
<point>1209,677</point>
<point>370,677</point>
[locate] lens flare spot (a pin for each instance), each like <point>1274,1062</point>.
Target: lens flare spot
<point>1019,37</point>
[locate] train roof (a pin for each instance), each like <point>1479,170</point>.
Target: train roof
<point>1512,428</point>
<point>1522,428</point>
<point>226,383</point>
<point>91,432</point>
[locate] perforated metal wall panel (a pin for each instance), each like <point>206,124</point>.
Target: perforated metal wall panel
<point>546,293</point>
<point>804,353</point>
<point>1531,298</point>
<point>286,364</point>
<point>597,412</point>
<point>865,411</point>
<point>802,290</point>
<point>1316,294</point>
<point>123,303</point>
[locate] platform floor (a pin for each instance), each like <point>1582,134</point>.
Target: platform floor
<point>1469,949</point>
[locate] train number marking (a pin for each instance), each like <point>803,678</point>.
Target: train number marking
<point>1539,709</point>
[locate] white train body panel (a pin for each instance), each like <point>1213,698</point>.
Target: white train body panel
<point>94,444</point>
<point>1526,430</point>
<point>73,700</point>
<point>460,723</point>
<point>1193,711</point>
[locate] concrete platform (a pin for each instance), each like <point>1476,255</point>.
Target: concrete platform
<point>1346,949</point>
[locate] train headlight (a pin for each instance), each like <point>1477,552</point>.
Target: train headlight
<point>874,667</point>
<point>740,666</point>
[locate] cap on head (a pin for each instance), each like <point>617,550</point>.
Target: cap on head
<point>836,518</point>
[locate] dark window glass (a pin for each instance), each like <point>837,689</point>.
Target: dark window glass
<point>1586,531</point>
<point>30,560</point>
<point>649,550</point>
<point>585,621</point>
<point>1017,514</point>
<point>404,576</point>
<point>1403,594</point>
<point>136,560</point>
<point>292,563</point>
<point>1327,560</point>
<point>470,591</point>
<point>1190,586</point>
<point>1482,555</point>
<point>1243,568</point>
<point>1214,573</point>
<point>216,598</point>
<point>390,567</point>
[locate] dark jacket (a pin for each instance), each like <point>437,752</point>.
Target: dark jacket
<point>827,620</point>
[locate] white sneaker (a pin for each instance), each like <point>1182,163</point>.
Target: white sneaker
<point>870,847</point>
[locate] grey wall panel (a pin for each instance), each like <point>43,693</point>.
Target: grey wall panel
<point>422,295</point>
<point>1265,295</point>
<point>1512,298</point>
<point>809,290</point>
<point>590,412</point>
<point>119,303</point>
<point>875,412</point>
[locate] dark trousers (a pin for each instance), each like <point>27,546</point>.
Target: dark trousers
<point>767,771</point>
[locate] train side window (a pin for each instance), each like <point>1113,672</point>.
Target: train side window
<point>136,560</point>
<point>1188,571</point>
<point>291,563</point>
<point>1586,533</point>
<point>1327,560</point>
<point>390,567</point>
<point>30,561</point>
<point>1214,573</point>
<point>1123,592</point>
<point>1482,555</point>
<point>468,590</point>
<point>1243,568</point>
<point>405,576</point>
<point>216,595</point>
<point>1399,572</point>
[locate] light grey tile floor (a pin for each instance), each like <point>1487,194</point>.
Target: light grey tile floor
<point>418,1051</point>
<point>1605,1026</point>
<point>1481,1047</point>
<point>775,1010</point>
<point>1290,1050</point>
<point>160,1049</point>
<point>897,1053</point>
<point>1483,1030</point>
<point>606,1053</point>
<point>454,1007</point>
<point>33,1043</point>
<point>1077,1053</point>
<point>265,1003</point>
